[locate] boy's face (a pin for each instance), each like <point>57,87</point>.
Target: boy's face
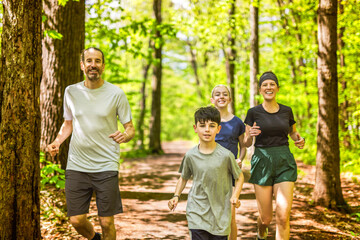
<point>207,130</point>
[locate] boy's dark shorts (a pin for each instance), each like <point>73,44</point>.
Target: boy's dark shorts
<point>198,234</point>
<point>79,188</point>
<point>273,165</point>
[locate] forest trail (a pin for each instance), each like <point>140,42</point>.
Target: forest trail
<point>147,184</point>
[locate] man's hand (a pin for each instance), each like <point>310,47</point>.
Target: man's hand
<point>173,203</point>
<point>235,201</point>
<point>119,137</point>
<point>53,148</point>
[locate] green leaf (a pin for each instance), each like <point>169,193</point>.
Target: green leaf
<point>53,34</point>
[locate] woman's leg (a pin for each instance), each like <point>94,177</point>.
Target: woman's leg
<point>264,201</point>
<point>284,196</point>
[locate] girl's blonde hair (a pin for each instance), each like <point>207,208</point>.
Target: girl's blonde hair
<point>220,85</point>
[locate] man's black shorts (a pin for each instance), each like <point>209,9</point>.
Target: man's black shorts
<point>79,188</point>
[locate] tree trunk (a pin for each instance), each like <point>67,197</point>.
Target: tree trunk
<point>155,120</point>
<point>327,191</point>
<point>344,117</point>
<point>195,68</point>
<point>61,67</point>
<point>20,120</point>
<point>140,125</point>
<point>254,55</point>
<point>231,55</point>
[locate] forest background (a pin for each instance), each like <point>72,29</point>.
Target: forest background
<point>195,52</point>
<point>168,55</point>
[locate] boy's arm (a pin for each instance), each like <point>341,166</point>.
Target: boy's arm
<point>234,200</point>
<point>179,188</point>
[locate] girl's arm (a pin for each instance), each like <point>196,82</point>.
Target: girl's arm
<point>179,188</point>
<point>242,149</point>
<point>298,140</point>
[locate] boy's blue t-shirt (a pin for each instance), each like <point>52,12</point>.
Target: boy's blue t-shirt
<point>228,137</point>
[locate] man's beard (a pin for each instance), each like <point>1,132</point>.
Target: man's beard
<point>93,77</point>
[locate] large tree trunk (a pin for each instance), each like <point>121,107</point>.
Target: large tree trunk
<point>327,191</point>
<point>61,67</point>
<point>230,55</point>
<point>155,121</point>
<point>254,54</point>
<point>20,120</point>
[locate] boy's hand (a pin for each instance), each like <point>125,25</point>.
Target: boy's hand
<point>173,203</point>
<point>239,162</point>
<point>235,201</point>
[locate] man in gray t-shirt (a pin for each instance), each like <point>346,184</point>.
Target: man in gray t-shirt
<point>91,110</point>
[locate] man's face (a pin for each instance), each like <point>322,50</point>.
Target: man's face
<point>207,130</point>
<point>93,65</point>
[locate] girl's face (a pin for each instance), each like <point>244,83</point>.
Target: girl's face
<point>268,89</point>
<point>221,97</point>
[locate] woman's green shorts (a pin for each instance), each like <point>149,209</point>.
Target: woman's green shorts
<point>273,165</point>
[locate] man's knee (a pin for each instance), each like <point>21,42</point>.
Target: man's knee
<point>107,222</point>
<point>78,221</point>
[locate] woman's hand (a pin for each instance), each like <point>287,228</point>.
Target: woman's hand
<point>255,130</point>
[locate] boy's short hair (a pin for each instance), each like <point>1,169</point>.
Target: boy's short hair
<point>209,113</point>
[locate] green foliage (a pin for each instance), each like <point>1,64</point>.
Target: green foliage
<point>51,173</point>
<point>288,46</point>
<point>53,34</point>
<point>63,2</point>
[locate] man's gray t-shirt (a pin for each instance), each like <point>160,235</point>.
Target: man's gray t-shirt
<point>208,205</point>
<point>94,117</point>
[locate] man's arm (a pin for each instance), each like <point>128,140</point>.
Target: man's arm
<point>126,136</point>
<point>64,133</point>
<point>179,188</point>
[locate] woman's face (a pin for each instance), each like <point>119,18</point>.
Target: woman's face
<point>268,89</point>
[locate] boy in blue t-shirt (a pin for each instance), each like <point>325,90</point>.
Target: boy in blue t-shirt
<point>212,167</point>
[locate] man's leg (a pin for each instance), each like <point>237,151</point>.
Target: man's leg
<point>83,226</point>
<point>108,228</point>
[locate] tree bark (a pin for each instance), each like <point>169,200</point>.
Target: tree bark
<point>155,120</point>
<point>140,125</point>
<point>344,114</point>
<point>195,68</point>
<point>61,67</point>
<point>254,54</point>
<point>327,191</point>
<point>230,55</point>
<point>20,120</point>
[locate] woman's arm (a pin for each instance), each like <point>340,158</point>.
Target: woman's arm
<point>298,140</point>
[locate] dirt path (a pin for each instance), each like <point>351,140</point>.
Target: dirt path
<point>147,183</point>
